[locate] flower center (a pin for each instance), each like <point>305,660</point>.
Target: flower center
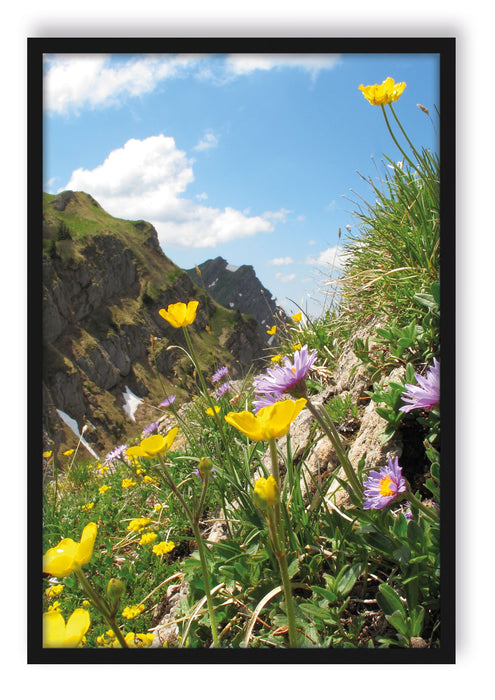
<point>387,487</point>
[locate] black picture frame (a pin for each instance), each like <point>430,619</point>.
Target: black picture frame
<point>445,48</point>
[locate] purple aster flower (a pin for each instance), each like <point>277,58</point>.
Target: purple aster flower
<point>282,379</point>
<point>219,374</point>
<point>222,389</point>
<point>116,453</point>
<point>427,391</point>
<point>150,429</point>
<point>264,400</point>
<point>168,401</point>
<point>382,486</point>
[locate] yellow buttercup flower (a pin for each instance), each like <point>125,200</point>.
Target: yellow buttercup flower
<point>209,411</point>
<point>47,454</point>
<point>68,453</point>
<point>265,492</point>
<point>276,358</point>
<point>180,314</point>
<point>61,560</point>
<point>272,330</point>
<point>270,421</point>
<point>383,94</point>
<point>297,317</point>
<point>57,634</point>
<point>153,445</point>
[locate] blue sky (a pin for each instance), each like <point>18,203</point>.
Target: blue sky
<point>251,157</point>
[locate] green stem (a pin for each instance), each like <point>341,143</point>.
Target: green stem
<point>330,431</point>
<point>101,605</point>
<point>276,529</point>
<point>428,511</point>
<point>206,579</point>
<point>233,472</point>
<point>406,157</point>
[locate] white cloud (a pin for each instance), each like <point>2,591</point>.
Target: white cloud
<point>242,64</point>
<point>76,81</point>
<point>285,278</point>
<point>208,141</point>
<point>333,257</point>
<point>281,261</point>
<point>145,180</point>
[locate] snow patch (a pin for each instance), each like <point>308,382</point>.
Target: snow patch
<point>72,424</point>
<point>231,268</point>
<point>131,402</point>
<point>213,283</point>
<point>231,304</point>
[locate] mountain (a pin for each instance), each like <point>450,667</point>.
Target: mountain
<point>104,281</point>
<point>237,288</point>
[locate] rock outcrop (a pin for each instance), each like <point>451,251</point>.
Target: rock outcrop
<point>238,288</point>
<point>104,281</point>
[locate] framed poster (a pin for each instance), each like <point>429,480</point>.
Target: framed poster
<point>235,428</point>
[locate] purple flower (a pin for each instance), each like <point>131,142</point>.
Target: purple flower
<point>168,401</point>
<point>282,379</point>
<point>382,486</point>
<point>427,391</point>
<point>219,374</point>
<point>222,389</point>
<point>264,400</point>
<point>116,453</point>
<point>150,429</point>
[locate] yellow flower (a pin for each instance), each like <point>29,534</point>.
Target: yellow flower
<point>272,330</point>
<point>104,488</point>
<point>151,480</point>
<point>276,358</point>
<point>297,346</point>
<point>270,422</point>
<point>297,317</point>
<point>132,611</point>
<point>383,94</point>
<point>138,524</point>
<point>209,411</point>
<point>47,454</point>
<point>68,453</point>
<point>57,634</point>
<point>180,314</point>
<point>148,538</point>
<point>61,560</point>
<point>54,591</point>
<point>265,492</point>
<point>127,483</point>
<point>54,607</point>
<point>153,445</point>
<point>137,641</point>
<point>87,506</point>
<point>163,548</point>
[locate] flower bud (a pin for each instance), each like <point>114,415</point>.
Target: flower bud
<point>265,492</point>
<point>204,467</point>
<point>115,591</point>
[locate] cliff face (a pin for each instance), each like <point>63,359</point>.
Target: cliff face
<point>238,288</point>
<point>104,281</point>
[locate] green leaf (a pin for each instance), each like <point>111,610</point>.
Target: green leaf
<point>346,579</point>
<point>388,600</point>
<point>415,534</point>
<point>397,620</point>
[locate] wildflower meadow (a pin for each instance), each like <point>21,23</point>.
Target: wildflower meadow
<point>294,568</point>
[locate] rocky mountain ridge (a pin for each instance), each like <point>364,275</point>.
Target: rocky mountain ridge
<point>237,288</point>
<point>104,281</point>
